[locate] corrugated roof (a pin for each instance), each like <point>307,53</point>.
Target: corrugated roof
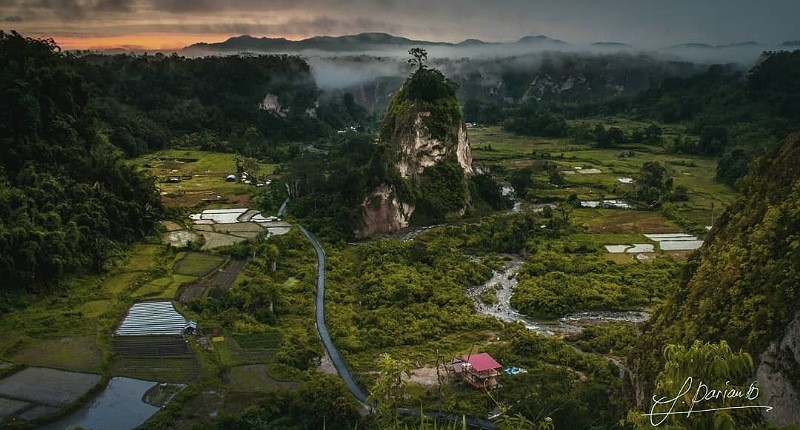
<point>152,318</point>
<point>482,362</point>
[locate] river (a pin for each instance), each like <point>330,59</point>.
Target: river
<point>504,281</point>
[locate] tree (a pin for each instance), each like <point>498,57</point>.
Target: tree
<point>653,183</point>
<point>420,57</point>
<point>733,165</point>
<point>388,391</point>
<point>690,380</point>
<point>521,180</point>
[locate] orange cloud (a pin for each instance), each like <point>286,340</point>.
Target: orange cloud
<point>149,41</point>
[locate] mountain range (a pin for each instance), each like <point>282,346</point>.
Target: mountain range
<point>357,42</point>
<point>383,41</point>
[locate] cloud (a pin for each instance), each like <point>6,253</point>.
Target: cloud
<point>651,23</point>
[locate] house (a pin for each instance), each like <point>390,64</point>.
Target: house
<point>481,371</point>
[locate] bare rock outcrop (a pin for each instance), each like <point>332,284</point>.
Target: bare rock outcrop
<point>778,377</point>
<point>420,150</point>
<point>384,212</point>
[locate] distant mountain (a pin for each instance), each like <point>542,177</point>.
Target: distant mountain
<point>474,42</point>
<point>795,43</point>
<point>364,42</point>
<point>357,42</point>
<point>612,45</point>
<point>541,39</point>
<point>708,46</point>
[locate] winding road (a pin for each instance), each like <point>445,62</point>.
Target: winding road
<point>322,329</point>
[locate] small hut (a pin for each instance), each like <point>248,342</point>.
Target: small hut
<point>481,371</point>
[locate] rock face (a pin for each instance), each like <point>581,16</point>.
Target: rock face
<point>426,158</point>
<point>419,150</point>
<point>384,212</point>
<point>778,376</point>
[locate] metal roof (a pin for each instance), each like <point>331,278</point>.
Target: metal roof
<point>481,362</point>
<point>152,318</point>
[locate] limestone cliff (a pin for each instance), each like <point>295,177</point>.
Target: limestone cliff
<point>386,212</point>
<point>425,158</point>
<point>420,150</point>
<point>778,376</point>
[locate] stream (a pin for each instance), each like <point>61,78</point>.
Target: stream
<point>504,281</point>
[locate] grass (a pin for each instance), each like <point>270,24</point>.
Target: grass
<point>163,288</point>
<point>623,221</point>
<point>116,284</point>
<point>172,370</point>
<point>95,308</point>
<point>198,264</point>
<point>142,257</point>
<point>79,354</point>
<point>202,180</point>
<point>268,340</point>
<point>254,378</point>
<point>61,331</point>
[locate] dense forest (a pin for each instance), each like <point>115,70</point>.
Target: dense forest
<point>253,105</point>
<point>66,199</point>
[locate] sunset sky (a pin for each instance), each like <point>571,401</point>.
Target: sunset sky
<point>170,24</point>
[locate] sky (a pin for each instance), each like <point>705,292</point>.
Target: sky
<point>171,24</point>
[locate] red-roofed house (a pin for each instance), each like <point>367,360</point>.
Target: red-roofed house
<point>479,370</point>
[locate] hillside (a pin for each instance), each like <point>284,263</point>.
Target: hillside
<point>66,200</point>
<point>247,104</point>
<point>743,285</point>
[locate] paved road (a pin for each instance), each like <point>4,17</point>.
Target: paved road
<point>319,312</point>
<point>282,209</point>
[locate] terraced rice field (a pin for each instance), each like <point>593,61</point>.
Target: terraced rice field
<point>223,279</point>
<point>198,264</point>
<point>171,370</point>
<point>151,346</point>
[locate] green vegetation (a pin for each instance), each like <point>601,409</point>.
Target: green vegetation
<point>198,264</point>
<point>742,286</point>
<point>541,170</point>
<point>73,330</point>
<point>153,102</point>
<point>530,122</point>
<point>427,98</point>
<point>565,276</point>
<point>712,364</point>
<point>67,203</point>
<point>188,177</point>
<point>615,338</point>
<point>397,310</point>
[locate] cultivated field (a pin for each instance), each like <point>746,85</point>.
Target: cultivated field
<point>199,177</point>
<point>495,148</point>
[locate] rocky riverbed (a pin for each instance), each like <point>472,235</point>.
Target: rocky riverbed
<point>503,282</point>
